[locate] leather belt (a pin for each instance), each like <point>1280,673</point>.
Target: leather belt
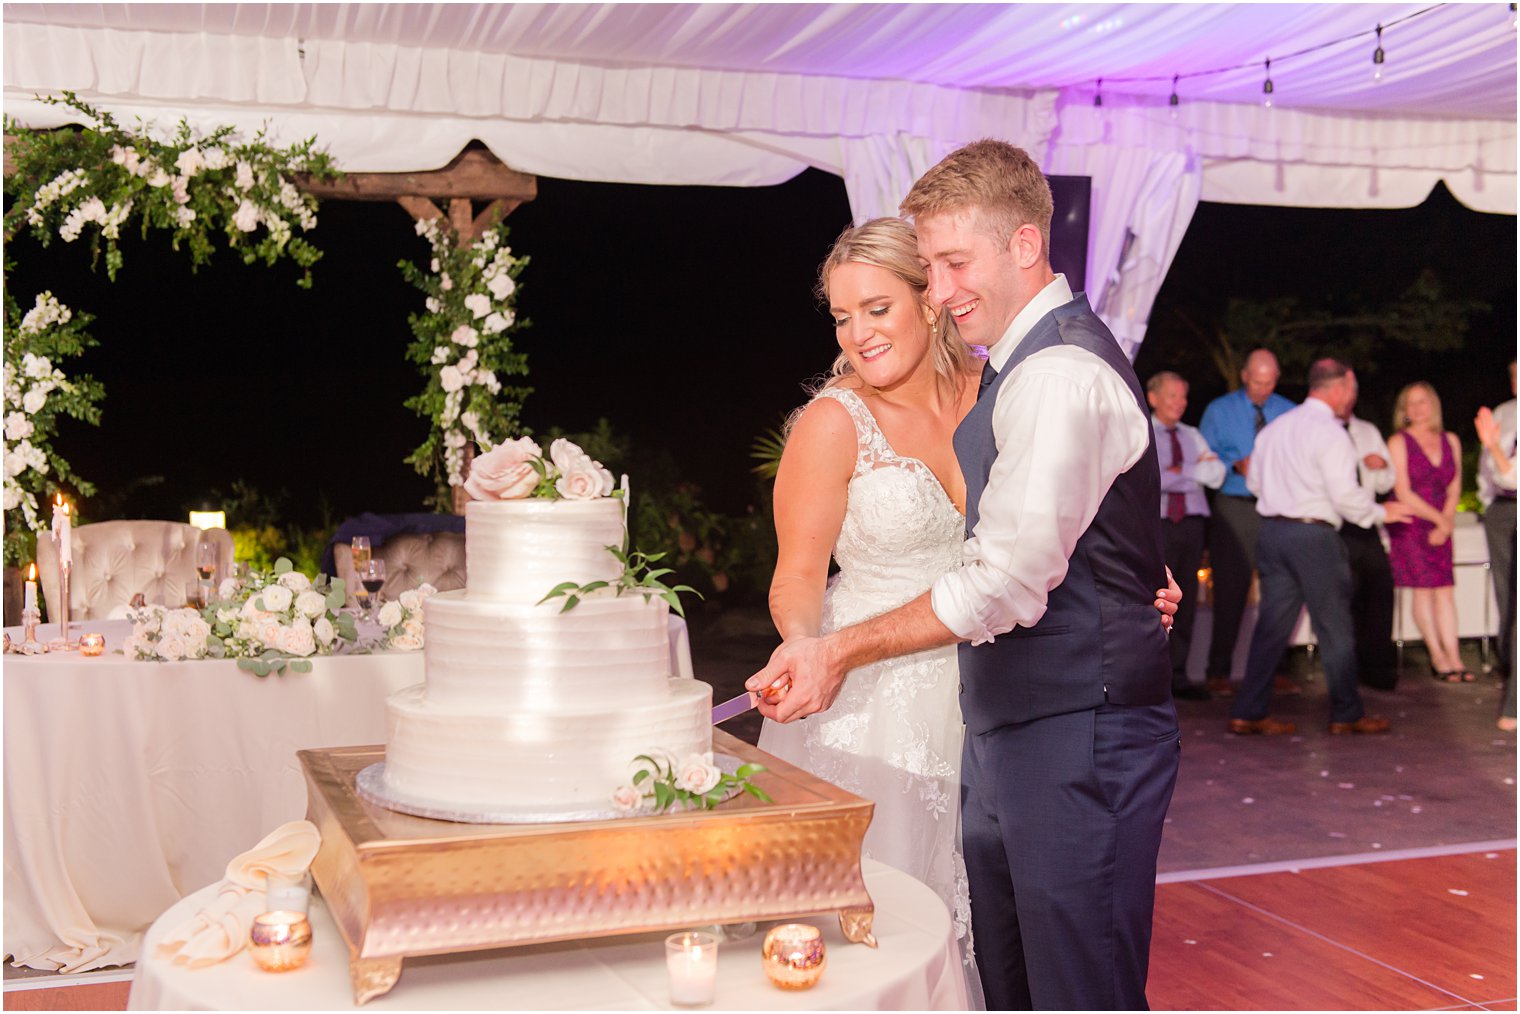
<point>1302,521</point>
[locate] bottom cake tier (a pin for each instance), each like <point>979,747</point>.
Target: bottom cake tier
<point>533,762</point>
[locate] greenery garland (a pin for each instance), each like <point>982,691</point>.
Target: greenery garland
<point>103,178</point>
<point>36,393</point>
<point>463,347</point>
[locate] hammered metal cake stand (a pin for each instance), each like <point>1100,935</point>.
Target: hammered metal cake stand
<point>401,886</point>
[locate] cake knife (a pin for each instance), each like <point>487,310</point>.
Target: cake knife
<point>739,705</point>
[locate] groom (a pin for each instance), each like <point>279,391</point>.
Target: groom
<point>1072,744</point>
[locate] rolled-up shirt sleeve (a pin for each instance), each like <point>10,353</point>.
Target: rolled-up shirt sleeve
<point>1066,426</point>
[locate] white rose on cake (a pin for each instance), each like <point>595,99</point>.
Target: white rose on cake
<point>580,478</point>
<point>697,774</point>
<point>505,473</point>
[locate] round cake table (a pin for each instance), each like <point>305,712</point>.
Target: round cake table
<point>916,967</point>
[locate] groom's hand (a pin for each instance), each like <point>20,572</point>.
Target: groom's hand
<point>816,676</point>
<point>1167,599</point>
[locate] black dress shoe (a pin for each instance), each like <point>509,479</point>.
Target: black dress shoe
<point>1192,692</point>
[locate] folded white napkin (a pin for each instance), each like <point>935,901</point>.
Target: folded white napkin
<point>220,930</point>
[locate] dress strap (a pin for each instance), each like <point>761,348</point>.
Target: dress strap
<point>871,447</point>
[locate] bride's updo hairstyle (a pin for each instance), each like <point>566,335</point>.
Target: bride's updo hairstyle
<point>891,244</point>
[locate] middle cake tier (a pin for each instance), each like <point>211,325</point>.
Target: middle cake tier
<point>485,653</point>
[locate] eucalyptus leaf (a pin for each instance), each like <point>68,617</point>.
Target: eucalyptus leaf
<point>300,665</point>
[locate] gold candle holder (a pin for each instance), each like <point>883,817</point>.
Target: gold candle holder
<point>793,955</point>
<point>280,941</point>
<point>92,644</point>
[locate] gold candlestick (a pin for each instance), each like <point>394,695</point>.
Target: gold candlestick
<point>62,642</point>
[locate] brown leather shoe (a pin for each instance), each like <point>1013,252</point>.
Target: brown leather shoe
<point>1367,725</point>
<point>1261,727</point>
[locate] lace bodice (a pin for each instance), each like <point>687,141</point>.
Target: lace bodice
<point>900,529</point>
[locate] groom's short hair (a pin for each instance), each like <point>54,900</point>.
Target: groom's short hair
<point>1000,183</point>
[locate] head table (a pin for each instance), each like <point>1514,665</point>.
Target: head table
<point>131,784</point>
<point>916,967</point>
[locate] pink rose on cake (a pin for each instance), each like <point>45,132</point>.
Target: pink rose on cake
<point>506,472</point>
<point>627,799</point>
<point>697,774</point>
<point>581,477</point>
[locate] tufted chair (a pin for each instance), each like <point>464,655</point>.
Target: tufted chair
<point>410,559</point>
<point>114,560</point>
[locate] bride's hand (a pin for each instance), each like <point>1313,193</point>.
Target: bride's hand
<point>815,680</point>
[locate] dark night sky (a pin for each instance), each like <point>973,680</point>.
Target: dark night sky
<point>682,314</point>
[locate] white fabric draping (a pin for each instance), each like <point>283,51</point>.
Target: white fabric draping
<point>915,967</point>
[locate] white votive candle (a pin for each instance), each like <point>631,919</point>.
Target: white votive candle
<point>692,960</point>
<point>287,894</point>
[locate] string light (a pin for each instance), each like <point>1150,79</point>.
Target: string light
<point>1266,86</point>
<point>1377,56</point>
<point>1098,95</point>
<point>1173,101</point>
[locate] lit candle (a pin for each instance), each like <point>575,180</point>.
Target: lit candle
<point>63,532</point>
<point>286,894</point>
<point>30,599</point>
<point>692,961</point>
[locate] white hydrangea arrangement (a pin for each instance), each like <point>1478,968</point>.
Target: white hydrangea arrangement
<point>160,634</point>
<point>401,619</point>
<point>659,782</point>
<point>463,347</point>
<point>36,393</point>
<point>275,620</point>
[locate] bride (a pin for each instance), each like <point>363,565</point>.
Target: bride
<point>869,477</point>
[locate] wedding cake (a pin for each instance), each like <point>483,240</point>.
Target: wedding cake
<point>530,709</point>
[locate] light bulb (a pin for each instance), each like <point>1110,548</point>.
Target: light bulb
<point>1378,57</point>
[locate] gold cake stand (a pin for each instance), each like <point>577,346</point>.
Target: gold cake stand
<point>400,886</point>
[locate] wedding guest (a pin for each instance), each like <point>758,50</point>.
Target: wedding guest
<point>1496,490</point>
<point>1188,467</point>
<point>1302,474</point>
<point>1371,578</point>
<point>1427,462</point>
<point>1230,424</point>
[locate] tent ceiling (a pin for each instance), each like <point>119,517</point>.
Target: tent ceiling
<point>1457,61</point>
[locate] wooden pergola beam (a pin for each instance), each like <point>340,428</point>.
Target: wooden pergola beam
<point>473,173</point>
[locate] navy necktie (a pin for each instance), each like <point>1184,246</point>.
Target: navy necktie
<point>988,376</point>
<point>1261,418</point>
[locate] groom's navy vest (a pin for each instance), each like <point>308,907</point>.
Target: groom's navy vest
<point>1101,638</point>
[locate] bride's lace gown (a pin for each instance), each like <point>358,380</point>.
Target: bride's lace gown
<point>894,734</point>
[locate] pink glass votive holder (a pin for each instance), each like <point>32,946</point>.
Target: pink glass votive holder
<point>280,941</point>
<point>92,644</point>
<point>793,955</point>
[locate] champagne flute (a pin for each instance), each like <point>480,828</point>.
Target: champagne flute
<point>359,548</point>
<point>206,555</point>
<point>372,577</point>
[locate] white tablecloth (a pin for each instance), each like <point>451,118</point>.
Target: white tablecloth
<point>916,967</point>
<point>130,784</point>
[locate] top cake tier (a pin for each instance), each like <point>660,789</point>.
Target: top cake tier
<point>517,550</point>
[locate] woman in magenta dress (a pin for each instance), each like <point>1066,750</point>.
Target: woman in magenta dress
<point>1427,463</point>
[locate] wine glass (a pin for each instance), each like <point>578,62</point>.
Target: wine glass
<point>359,548</point>
<point>372,577</point>
<point>206,558</point>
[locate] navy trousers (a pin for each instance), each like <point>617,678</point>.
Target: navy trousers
<point>1301,565</point>
<point>1061,823</point>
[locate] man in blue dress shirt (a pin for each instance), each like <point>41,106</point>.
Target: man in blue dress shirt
<point>1230,425</point>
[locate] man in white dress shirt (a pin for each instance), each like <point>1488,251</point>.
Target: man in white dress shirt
<point>1188,467</point>
<point>1303,470</point>
<point>1371,577</point>
<point>1071,737</point>
<point>1496,489</point>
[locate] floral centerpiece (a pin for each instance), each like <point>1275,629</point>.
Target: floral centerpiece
<point>36,393</point>
<point>401,619</point>
<point>463,347</point>
<point>160,634</point>
<point>659,783</point>
<point>275,620</point>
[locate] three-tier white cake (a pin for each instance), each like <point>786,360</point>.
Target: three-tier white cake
<point>529,709</point>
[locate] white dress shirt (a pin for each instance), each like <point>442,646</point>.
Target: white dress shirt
<point>1367,440</point>
<point>1200,467</point>
<point>1302,467</point>
<point>1489,479</point>
<point>1066,426</point>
